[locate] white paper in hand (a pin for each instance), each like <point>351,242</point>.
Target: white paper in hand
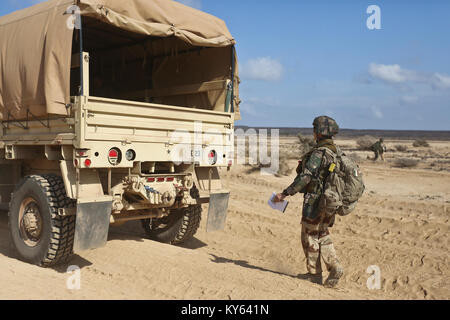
<point>280,206</point>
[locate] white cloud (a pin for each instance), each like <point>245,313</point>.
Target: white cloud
<point>377,112</point>
<point>197,4</point>
<point>394,74</point>
<point>264,68</point>
<point>258,106</point>
<point>250,109</point>
<point>441,81</point>
<point>391,73</point>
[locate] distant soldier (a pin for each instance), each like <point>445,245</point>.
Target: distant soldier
<point>379,148</point>
<point>312,172</point>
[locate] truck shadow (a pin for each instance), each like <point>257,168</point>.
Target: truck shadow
<point>132,230</point>
<point>7,248</point>
<point>193,244</point>
<point>124,233</point>
<point>76,260</point>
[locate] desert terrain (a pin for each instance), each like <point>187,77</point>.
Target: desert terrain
<point>401,225</point>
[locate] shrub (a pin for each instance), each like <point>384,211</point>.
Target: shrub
<point>401,148</point>
<point>355,157</point>
<point>420,143</point>
<point>364,143</point>
<point>405,163</point>
<point>284,169</point>
<point>305,143</point>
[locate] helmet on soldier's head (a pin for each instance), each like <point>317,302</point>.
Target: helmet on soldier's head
<point>325,126</point>
<point>381,140</point>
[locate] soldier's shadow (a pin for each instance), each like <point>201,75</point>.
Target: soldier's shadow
<point>245,264</point>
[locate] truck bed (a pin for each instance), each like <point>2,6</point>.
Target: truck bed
<point>100,120</point>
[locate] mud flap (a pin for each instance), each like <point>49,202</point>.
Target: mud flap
<point>92,225</point>
<point>217,213</point>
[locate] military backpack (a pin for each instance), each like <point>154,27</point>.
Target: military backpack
<point>343,186</point>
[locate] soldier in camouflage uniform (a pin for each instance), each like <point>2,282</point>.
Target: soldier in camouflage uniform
<point>379,148</point>
<point>312,171</point>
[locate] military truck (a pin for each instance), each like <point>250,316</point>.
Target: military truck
<point>113,111</point>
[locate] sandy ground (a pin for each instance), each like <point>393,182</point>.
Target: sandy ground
<point>401,225</point>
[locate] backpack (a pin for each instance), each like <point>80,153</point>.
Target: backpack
<point>343,186</point>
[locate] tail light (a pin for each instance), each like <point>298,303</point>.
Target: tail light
<point>114,156</point>
<point>81,153</point>
<point>170,179</point>
<point>212,157</point>
<point>160,180</point>
<point>151,180</point>
<point>87,163</point>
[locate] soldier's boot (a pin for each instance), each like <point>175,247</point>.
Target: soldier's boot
<point>333,277</point>
<point>314,278</point>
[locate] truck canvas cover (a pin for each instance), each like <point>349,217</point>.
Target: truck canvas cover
<point>36,45</point>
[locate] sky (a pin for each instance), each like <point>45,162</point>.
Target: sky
<point>301,59</point>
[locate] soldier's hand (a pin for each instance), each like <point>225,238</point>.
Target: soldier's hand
<point>279,197</point>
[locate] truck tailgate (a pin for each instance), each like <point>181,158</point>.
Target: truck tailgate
<point>134,123</point>
<point>108,119</point>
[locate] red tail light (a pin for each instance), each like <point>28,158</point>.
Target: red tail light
<point>170,179</point>
<point>160,180</point>
<point>151,180</point>
<point>113,153</point>
<point>87,163</point>
<point>212,157</point>
<point>114,156</point>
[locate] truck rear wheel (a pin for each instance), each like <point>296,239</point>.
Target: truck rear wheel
<point>180,226</point>
<point>38,233</point>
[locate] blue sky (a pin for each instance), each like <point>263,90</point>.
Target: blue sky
<point>300,59</point>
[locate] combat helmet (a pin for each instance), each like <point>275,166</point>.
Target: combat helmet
<point>325,126</point>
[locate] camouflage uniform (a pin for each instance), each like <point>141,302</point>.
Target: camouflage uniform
<point>379,148</point>
<point>316,241</point>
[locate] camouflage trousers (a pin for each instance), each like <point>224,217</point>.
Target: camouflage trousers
<point>317,245</point>
<point>379,154</point>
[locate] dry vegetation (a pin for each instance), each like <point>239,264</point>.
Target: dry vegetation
<point>364,143</point>
<point>406,163</point>
<point>401,148</point>
<point>421,143</point>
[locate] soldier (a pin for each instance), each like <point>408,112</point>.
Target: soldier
<point>315,237</point>
<point>379,148</point>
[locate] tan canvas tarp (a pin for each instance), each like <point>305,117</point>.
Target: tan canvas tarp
<point>161,18</point>
<point>35,45</point>
<point>35,53</point>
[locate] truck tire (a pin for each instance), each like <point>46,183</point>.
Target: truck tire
<point>180,226</point>
<point>38,233</point>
